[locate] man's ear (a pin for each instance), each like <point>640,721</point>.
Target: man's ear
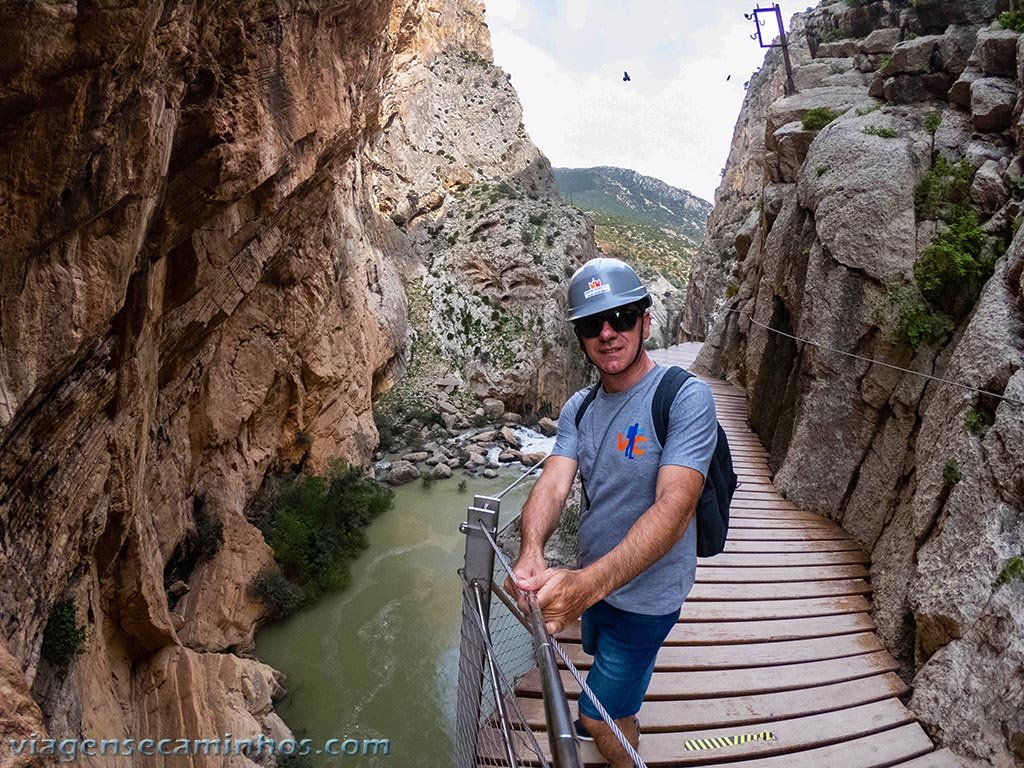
<point>647,324</point>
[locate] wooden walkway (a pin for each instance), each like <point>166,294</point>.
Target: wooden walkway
<point>775,636</point>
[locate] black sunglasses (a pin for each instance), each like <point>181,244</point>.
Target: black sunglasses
<point>621,320</point>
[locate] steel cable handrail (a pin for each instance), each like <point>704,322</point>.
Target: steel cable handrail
<point>939,379</point>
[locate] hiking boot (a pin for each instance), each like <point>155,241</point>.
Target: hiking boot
<point>581,731</point>
<point>584,735</point>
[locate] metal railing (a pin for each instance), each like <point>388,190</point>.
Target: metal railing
<point>500,644</point>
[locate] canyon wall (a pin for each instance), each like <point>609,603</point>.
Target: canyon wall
<point>214,224</point>
<point>889,230</point>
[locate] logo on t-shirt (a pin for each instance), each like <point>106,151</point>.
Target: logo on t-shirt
<point>629,444</point>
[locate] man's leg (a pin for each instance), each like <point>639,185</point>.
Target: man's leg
<point>606,742</point>
<point>624,646</point>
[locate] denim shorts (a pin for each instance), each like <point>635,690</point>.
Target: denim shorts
<point>624,646</point>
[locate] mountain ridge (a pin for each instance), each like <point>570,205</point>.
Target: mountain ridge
<point>646,198</point>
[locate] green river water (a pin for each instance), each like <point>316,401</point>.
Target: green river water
<point>379,660</point>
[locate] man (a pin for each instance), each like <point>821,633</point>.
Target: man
<point>637,547</point>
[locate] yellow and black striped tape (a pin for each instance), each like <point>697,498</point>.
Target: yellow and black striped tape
<point>721,742</point>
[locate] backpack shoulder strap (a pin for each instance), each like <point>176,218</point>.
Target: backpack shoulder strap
<point>591,394</point>
<point>666,392</point>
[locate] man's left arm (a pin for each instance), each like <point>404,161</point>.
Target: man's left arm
<point>566,594</point>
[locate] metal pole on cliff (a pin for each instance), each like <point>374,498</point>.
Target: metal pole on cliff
<point>784,44</point>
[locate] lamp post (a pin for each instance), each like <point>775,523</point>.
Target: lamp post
<point>784,45</point>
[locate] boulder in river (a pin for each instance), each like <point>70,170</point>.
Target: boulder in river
<point>401,472</point>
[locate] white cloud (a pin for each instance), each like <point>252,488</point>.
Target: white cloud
<point>673,120</point>
<point>576,13</point>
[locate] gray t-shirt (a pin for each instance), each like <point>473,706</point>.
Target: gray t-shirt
<point>619,457</point>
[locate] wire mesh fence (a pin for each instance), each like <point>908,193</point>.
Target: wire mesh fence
<point>494,658</point>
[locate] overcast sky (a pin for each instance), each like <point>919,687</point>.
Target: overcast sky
<point>675,117</point>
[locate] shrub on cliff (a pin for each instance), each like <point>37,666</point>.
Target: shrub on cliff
<point>817,118</point>
<point>944,191</point>
<point>954,267</point>
<point>63,638</point>
<point>315,524</point>
<point>274,589</point>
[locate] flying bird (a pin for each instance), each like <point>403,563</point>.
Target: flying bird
<point>625,77</point>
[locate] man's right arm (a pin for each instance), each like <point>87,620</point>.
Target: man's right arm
<point>541,512</point>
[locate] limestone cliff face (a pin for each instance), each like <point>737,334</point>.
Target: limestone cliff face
<point>928,476</point>
<point>477,204</point>
<point>203,275</point>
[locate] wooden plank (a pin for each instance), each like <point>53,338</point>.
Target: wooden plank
<point>733,711</point>
<point>789,590</point>
<point>780,515</point>
<point>801,733</point>
<point>817,523</point>
<point>873,751</point>
<point>772,609</point>
<point>710,574</point>
<point>821,533</point>
<point>741,682</point>
<point>735,632</point>
<point>942,758</point>
<point>753,560</point>
<point>742,547</point>
<point>739,506</point>
<point>681,658</point>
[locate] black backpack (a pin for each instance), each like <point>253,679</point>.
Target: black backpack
<point>720,484</point>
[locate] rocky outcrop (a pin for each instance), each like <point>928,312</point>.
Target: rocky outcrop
<point>214,220</point>
<point>925,474</point>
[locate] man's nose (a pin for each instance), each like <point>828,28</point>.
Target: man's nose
<point>607,331</point>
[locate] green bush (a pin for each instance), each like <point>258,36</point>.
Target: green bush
<point>954,267</point>
<point>885,133</point>
<point>63,639</point>
<point>1014,569</point>
<point>283,596</point>
<point>951,472</point>
<point>315,524</point>
<point>1017,188</point>
<point>974,422</point>
<point>944,191</point>
<point>861,111</point>
<point>1012,20</point>
<point>932,121</point>
<point>916,321</point>
<point>817,118</point>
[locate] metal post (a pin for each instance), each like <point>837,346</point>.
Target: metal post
<point>561,734</point>
<point>478,568</point>
<point>790,88</point>
<point>790,85</point>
